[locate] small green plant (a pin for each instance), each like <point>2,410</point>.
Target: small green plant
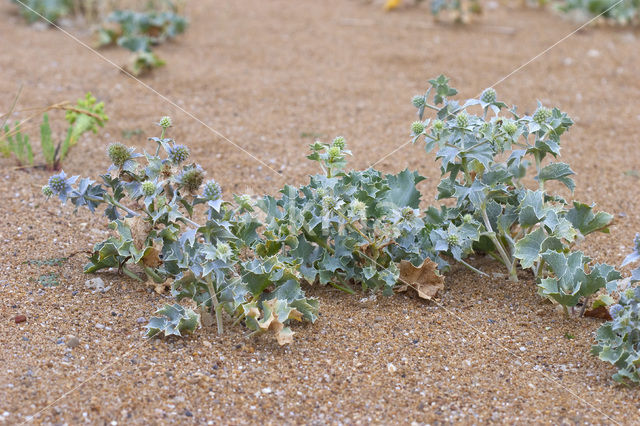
<point>139,32</point>
<point>483,161</point>
<point>13,141</point>
<point>618,340</point>
<point>51,10</point>
<point>86,116</point>
<point>623,12</point>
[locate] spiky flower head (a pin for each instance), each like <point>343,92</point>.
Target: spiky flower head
<point>488,96</point>
<point>148,188</point>
<point>223,251</point>
<point>467,218</point>
<point>418,101</point>
<point>417,127</point>
<point>452,239</point>
<point>510,127</point>
<point>46,191</point>
<point>192,178</point>
<point>409,214</point>
<point>334,152</point>
<point>438,125</point>
<point>615,310</point>
<point>340,142</point>
<point>357,209</point>
<point>118,154</point>
<point>329,203</point>
<point>462,119</point>
<point>541,115</point>
<point>165,122</point>
<point>57,183</point>
<point>178,154</point>
<point>212,190</point>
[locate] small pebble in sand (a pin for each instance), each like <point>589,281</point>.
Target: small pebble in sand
<point>72,341</point>
<point>391,368</point>
<point>20,318</point>
<point>141,320</point>
<point>100,326</point>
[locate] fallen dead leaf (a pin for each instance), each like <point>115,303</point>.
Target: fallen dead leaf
<point>600,312</point>
<point>425,279</point>
<point>152,258</point>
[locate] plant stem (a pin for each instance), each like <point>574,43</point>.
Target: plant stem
<point>538,168</point>
<point>318,241</point>
<point>215,305</point>
<point>478,271</point>
<point>506,258</point>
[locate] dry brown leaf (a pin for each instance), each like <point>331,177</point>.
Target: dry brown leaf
<point>600,312</point>
<point>140,229</point>
<point>283,334</point>
<point>425,280</point>
<point>152,258</point>
<point>161,288</point>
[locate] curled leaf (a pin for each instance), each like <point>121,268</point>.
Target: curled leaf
<point>276,312</point>
<point>425,279</point>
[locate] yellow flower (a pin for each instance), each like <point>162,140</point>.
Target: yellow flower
<point>392,4</point>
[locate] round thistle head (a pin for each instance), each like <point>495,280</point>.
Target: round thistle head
<point>57,183</point>
<point>510,127</point>
<point>438,125</point>
<point>46,191</point>
<point>118,154</point>
<point>615,310</point>
<point>192,179</point>
<point>165,122</point>
<point>358,209</point>
<point>212,191</point>
<point>223,251</point>
<point>488,96</point>
<point>178,154</point>
<point>452,239</point>
<point>462,119</point>
<point>329,203</point>
<point>629,293</point>
<point>541,115</point>
<point>409,214</point>
<point>417,127</point>
<point>148,188</point>
<point>339,142</point>
<point>418,101</point>
<point>467,218</point>
<point>334,152</point>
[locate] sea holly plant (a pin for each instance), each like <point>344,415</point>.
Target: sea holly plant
<point>350,228</point>
<point>150,201</point>
<point>633,257</point>
<point>484,159</point>
<point>618,340</point>
<point>139,32</point>
<point>344,229</point>
<point>623,12</point>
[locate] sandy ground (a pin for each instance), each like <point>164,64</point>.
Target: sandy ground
<point>271,76</point>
